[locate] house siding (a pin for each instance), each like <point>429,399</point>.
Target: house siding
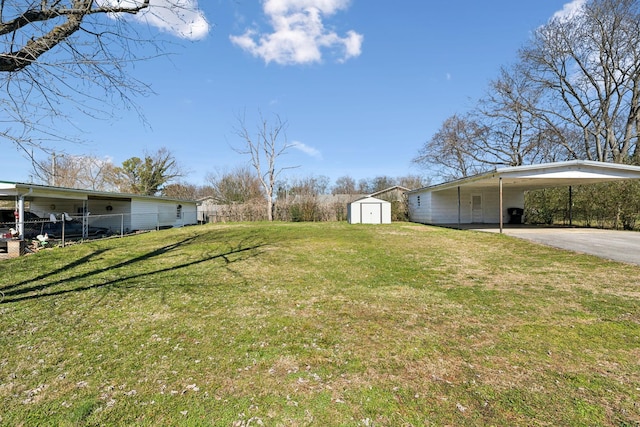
<point>117,218</point>
<point>420,208</point>
<point>441,207</point>
<point>150,214</point>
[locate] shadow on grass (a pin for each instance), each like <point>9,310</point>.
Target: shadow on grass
<point>48,274</point>
<point>11,293</point>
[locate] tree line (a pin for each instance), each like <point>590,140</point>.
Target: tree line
<point>239,190</point>
<point>148,175</point>
<point>609,205</point>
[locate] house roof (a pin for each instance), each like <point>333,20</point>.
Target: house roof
<point>560,174</point>
<point>394,188</point>
<point>12,189</point>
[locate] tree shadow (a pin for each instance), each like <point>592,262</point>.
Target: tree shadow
<point>12,294</point>
<point>76,263</point>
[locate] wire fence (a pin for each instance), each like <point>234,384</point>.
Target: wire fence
<point>64,227</point>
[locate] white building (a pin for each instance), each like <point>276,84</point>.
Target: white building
<point>119,212</point>
<point>369,210</point>
<point>490,198</point>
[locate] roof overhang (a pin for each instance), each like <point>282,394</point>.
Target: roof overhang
<point>31,191</point>
<point>531,177</point>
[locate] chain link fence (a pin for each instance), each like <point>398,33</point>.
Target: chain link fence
<point>60,229</point>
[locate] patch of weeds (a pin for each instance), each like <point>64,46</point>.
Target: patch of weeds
<point>610,307</point>
<point>81,411</point>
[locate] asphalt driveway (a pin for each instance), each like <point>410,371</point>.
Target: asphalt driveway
<point>615,245</point>
<point>609,244</point>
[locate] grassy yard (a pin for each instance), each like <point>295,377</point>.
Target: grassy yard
<point>318,324</point>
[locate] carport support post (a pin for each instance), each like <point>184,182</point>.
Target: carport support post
<point>20,209</point>
<point>85,219</point>
<point>458,206</point>
<point>570,205</point>
<point>500,183</point>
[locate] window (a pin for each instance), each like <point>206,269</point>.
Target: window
<point>179,211</point>
<point>418,201</point>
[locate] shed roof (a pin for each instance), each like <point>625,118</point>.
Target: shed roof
<point>559,174</point>
<point>369,199</point>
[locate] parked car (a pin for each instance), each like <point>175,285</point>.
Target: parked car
<point>8,221</point>
<point>72,229</point>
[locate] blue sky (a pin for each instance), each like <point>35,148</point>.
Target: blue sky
<point>363,84</point>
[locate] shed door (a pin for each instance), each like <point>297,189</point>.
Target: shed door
<point>371,213</point>
<point>476,208</point>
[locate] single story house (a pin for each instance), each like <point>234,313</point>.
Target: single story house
<point>119,212</point>
<point>492,197</point>
<point>369,210</point>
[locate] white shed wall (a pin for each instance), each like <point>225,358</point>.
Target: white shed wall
<point>369,211</point>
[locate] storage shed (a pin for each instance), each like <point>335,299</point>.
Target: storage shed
<point>498,196</point>
<point>369,210</point>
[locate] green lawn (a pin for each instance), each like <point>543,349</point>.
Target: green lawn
<point>318,324</point>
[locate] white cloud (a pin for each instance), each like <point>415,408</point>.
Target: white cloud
<point>310,151</point>
<point>299,35</point>
<point>569,10</point>
<point>181,18</point>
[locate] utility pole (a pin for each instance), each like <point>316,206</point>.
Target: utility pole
<point>53,169</point>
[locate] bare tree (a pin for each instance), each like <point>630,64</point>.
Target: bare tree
<point>71,53</point>
<point>344,185</point>
<point>505,129</point>
<point>452,152</point>
<point>264,150</point>
<point>303,197</point>
<point>75,171</point>
<point>185,191</point>
<point>412,182</point>
<point>575,94</point>
<point>589,66</point>
<point>239,185</point>
<point>514,135</point>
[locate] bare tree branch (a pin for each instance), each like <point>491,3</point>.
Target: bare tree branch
<point>59,57</point>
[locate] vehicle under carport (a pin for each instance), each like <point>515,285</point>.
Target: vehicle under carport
<point>119,213</point>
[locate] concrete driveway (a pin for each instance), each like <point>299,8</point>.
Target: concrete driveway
<point>609,244</point>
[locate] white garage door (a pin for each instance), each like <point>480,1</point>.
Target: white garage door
<point>371,213</point>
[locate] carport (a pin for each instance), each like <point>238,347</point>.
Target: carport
<point>116,211</point>
<point>487,198</point>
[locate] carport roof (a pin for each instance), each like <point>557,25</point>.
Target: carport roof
<point>560,174</point>
<point>13,189</point>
